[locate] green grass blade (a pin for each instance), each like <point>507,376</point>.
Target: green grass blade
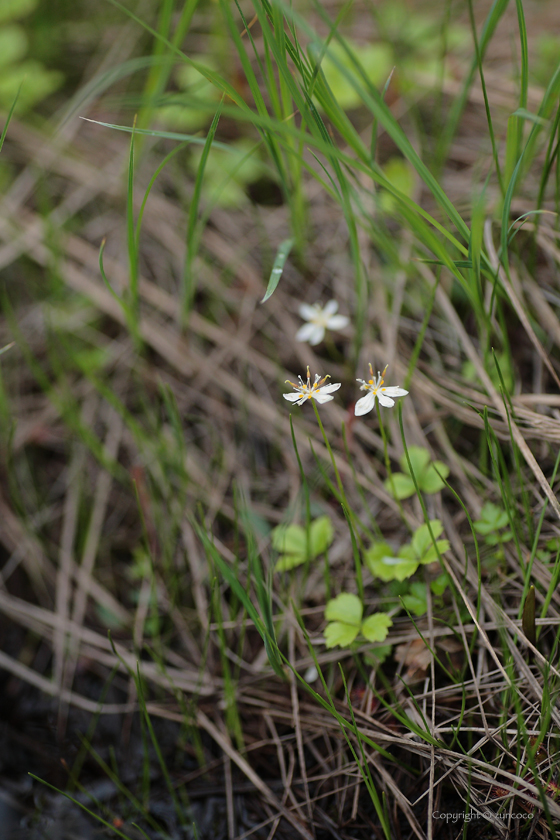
<point>280,261</point>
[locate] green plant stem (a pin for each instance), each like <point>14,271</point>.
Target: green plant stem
<point>327,444</point>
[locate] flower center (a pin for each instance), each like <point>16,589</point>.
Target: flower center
<point>320,319</point>
<point>374,384</point>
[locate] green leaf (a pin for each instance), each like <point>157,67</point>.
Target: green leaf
<point>339,633</point>
<point>321,535</point>
<point>392,568</point>
<point>291,542</point>
<point>419,458</point>
<point>430,481</point>
<point>400,486</point>
<point>382,563</point>
<point>14,9</point>
<point>416,600</point>
<point>13,44</point>
<point>281,256</point>
<point>289,561</point>
<point>402,176</point>
<point>492,518</point>
<point>376,627</point>
<point>377,656</point>
<point>345,607</point>
<point>290,539</point>
<point>440,584</point>
<point>422,540</point>
<point>498,539</point>
<point>376,60</point>
<point>431,555</point>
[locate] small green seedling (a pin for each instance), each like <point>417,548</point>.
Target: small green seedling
<point>344,614</point>
<point>428,474</point>
<point>293,545</point>
<point>416,599</point>
<point>491,524</point>
<point>385,565</point>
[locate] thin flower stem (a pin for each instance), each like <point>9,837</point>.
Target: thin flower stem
<point>327,444</point>
<point>346,507</point>
<point>388,461</point>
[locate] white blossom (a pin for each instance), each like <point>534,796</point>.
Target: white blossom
<point>319,318</point>
<point>375,388</point>
<point>318,391</point>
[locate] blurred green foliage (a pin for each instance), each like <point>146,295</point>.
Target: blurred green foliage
<point>19,72</point>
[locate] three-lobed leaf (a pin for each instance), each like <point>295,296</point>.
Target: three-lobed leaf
<point>429,474</point>
<point>383,564</point>
<point>344,614</point>
<point>416,599</point>
<point>291,542</point>
<point>346,608</point>
<point>341,634</point>
<point>375,627</point>
<point>491,519</point>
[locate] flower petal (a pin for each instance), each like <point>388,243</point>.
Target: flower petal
<point>330,308</point>
<point>394,391</point>
<point>318,334</point>
<point>365,405</point>
<point>385,400</point>
<point>322,398</point>
<point>307,312</point>
<point>338,322</point>
<point>306,332</point>
<point>329,389</point>
<point>291,397</point>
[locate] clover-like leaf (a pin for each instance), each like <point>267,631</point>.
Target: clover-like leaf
<point>431,480</point>
<point>346,608</point>
<point>440,584</point>
<point>416,600</point>
<point>321,535</point>
<point>377,655</point>
<point>422,545</point>
<point>340,633</point>
<point>382,563</point>
<point>425,472</point>
<point>289,539</point>
<point>419,458</point>
<point>376,627</point>
<point>422,539</point>
<point>492,518</point>
<point>286,562</point>
<point>399,486</point>
<point>498,539</point>
<point>376,60</point>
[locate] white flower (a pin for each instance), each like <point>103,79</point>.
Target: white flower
<point>374,387</point>
<point>320,319</point>
<point>305,390</point>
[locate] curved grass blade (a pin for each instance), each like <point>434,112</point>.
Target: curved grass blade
<point>8,118</point>
<point>187,291</point>
<point>281,256</point>
<point>82,806</point>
